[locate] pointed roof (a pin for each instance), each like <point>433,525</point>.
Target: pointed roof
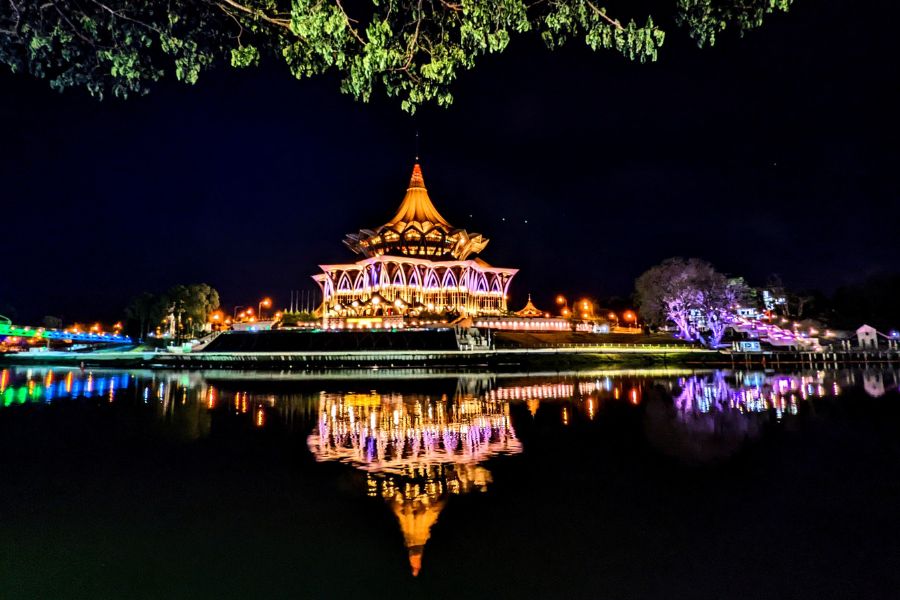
<point>417,229</point>
<point>530,310</point>
<point>417,206</point>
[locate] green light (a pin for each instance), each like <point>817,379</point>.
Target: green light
<point>22,395</point>
<point>8,396</point>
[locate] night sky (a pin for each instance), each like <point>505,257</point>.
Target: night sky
<point>775,153</point>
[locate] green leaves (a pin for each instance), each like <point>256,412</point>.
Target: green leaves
<point>244,56</point>
<point>412,50</point>
<point>706,19</point>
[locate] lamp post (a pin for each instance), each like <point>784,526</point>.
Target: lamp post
<point>613,317</point>
<point>264,303</point>
<point>236,309</point>
<point>630,317</point>
<point>587,309</point>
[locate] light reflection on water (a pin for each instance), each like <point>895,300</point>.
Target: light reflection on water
<point>417,450</point>
<point>421,438</point>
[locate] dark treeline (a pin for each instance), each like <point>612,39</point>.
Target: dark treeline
<point>188,307</point>
<point>875,301</point>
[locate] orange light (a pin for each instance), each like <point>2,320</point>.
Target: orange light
<point>560,299</point>
<point>267,302</point>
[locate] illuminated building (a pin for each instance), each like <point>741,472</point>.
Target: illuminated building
<point>415,264</point>
<point>417,451</point>
<point>530,311</point>
<point>529,318</point>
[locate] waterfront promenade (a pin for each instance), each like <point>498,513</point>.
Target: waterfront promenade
<point>638,354</point>
<point>557,358</point>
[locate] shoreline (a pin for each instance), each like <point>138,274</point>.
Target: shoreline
<point>497,360</point>
<point>490,359</point>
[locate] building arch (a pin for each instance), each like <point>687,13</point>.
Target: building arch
<point>359,285</point>
<point>449,280</point>
<point>431,280</point>
<point>344,284</point>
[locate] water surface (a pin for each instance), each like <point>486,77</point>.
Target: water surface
<point>391,483</point>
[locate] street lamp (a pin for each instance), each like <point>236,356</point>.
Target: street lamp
<point>264,303</point>
<point>630,317</point>
<point>587,309</point>
<point>236,309</point>
<point>561,301</point>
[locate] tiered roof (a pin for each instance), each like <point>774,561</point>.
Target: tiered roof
<point>417,229</point>
<point>530,310</point>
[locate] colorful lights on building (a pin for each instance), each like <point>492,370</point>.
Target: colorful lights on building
<point>415,264</point>
<point>416,450</point>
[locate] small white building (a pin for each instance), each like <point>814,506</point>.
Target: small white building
<point>867,337</point>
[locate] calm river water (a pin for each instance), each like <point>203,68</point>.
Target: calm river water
<point>401,484</point>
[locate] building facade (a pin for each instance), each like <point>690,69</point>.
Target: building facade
<point>414,265</point>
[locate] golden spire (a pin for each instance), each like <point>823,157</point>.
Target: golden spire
<point>416,519</point>
<point>417,229</point>
<point>417,206</point>
<point>530,310</point>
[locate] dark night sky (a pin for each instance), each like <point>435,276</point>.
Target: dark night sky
<point>775,153</point>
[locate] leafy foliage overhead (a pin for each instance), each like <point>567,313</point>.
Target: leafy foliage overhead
<point>412,50</point>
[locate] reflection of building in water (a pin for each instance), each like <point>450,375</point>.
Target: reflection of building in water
<point>418,495</point>
<point>873,383</point>
<point>584,394</point>
<point>752,392</point>
<point>417,450</point>
<point>713,415</point>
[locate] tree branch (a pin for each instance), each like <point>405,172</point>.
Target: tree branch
<point>285,23</point>
<point>602,14</point>
<point>120,15</point>
<point>350,22</point>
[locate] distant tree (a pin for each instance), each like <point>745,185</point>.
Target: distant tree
<point>144,311</point>
<point>875,301</point>
<point>292,319</point>
<point>680,290</point>
<point>717,301</point>
<point>412,50</point>
<point>190,306</point>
